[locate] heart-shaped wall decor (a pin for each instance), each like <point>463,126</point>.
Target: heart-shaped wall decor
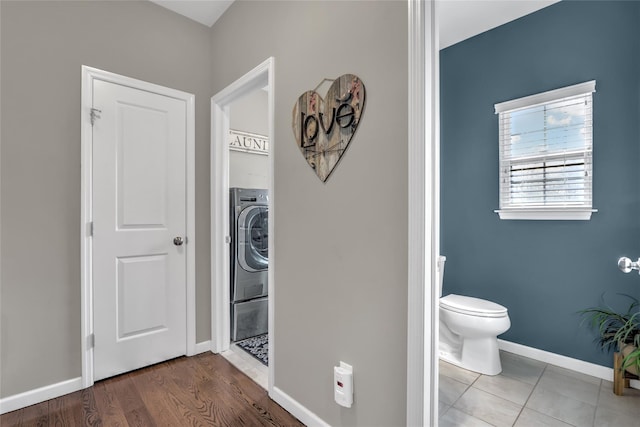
<point>323,128</point>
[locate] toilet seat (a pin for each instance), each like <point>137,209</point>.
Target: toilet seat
<point>472,306</point>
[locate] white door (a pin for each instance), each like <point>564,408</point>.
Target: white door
<point>139,208</point>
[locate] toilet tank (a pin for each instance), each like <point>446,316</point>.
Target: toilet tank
<point>441,261</point>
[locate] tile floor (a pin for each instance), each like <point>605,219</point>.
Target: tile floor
<point>248,364</point>
<point>532,393</point>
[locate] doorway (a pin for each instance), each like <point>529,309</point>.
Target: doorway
<point>138,270</point>
<point>258,79</point>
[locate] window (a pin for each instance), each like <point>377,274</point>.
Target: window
<point>546,154</point>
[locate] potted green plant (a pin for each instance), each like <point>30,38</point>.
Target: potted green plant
<point>619,331</point>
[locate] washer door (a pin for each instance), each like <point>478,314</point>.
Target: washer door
<point>253,238</point>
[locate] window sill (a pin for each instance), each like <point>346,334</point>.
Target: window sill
<point>562,214</point>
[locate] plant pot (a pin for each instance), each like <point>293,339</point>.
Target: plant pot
<point>627,349</point>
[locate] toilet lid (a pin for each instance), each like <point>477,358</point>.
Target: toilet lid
<point>472,306</point>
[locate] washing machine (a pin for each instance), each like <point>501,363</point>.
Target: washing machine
<point>249,262</point>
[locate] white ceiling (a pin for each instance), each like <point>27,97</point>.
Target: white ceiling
<point>462,19</point>
<point>205,12</point>
<point>459,19</point>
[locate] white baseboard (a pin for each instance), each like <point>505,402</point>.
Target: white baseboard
<point>577,365</point>
<point>31,397</point>
<point>203,347</point>
<point>296,409</point>
<point>52,391</point>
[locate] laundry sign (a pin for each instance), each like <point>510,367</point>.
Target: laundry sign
<point>248,142</point>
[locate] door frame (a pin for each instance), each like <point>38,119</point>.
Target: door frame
<point>260,77</point>
<point>423,213</point>
<point>89,75</point>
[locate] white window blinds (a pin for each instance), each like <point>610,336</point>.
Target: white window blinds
<point>546,154</point>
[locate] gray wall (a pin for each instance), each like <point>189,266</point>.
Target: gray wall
<point>249,114</point>
<point>544,272</point>
<point>340,246</point>
<point>43,46</point>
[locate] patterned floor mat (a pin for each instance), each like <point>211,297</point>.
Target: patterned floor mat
<point>258,347</point>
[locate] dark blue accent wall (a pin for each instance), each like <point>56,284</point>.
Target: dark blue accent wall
<point>543,271</point>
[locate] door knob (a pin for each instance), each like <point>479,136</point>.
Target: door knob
<point>178,241</point>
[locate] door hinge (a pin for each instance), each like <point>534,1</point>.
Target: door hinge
<point>95,114</point>
<point>91,341</point>
<point>90,229</point>
<point>227,239</point>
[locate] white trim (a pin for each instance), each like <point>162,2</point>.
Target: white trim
<point>423,207</point>
<point>90,74</point>
<point>271,105</point>
<point>1,317</point>
<point>416,399</point>
<point>570,363</point>
<point>295,408</point>
<point>32,397</point>
<point>220,295</point>
<point>577,365</point>
<point>260,77</point>
<point>86,287</point>
<point>544,97</point>
<point>190,247</point>
<point>202,347</point>
<point>577,214</point>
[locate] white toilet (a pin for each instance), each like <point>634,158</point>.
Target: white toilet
<point>468,330</point>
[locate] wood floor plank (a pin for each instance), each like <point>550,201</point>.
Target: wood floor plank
<point>132,405</point>
<point>203,390</point>
<point>197,390</point>
<point>235,392</point>
<point>66,411</point>
<point>13,419</point>
<point>246,390</point>
<point>108,406</point>
<point>160,398</point>
<point>90,414</point>
<point>204,395</point>
<point>34,415</point>
<point>229,397</point>
<point>215,403</point>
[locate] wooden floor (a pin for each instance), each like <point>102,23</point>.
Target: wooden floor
<point>203,390</point>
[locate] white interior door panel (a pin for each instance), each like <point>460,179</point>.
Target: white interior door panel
<point>139,207</point>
